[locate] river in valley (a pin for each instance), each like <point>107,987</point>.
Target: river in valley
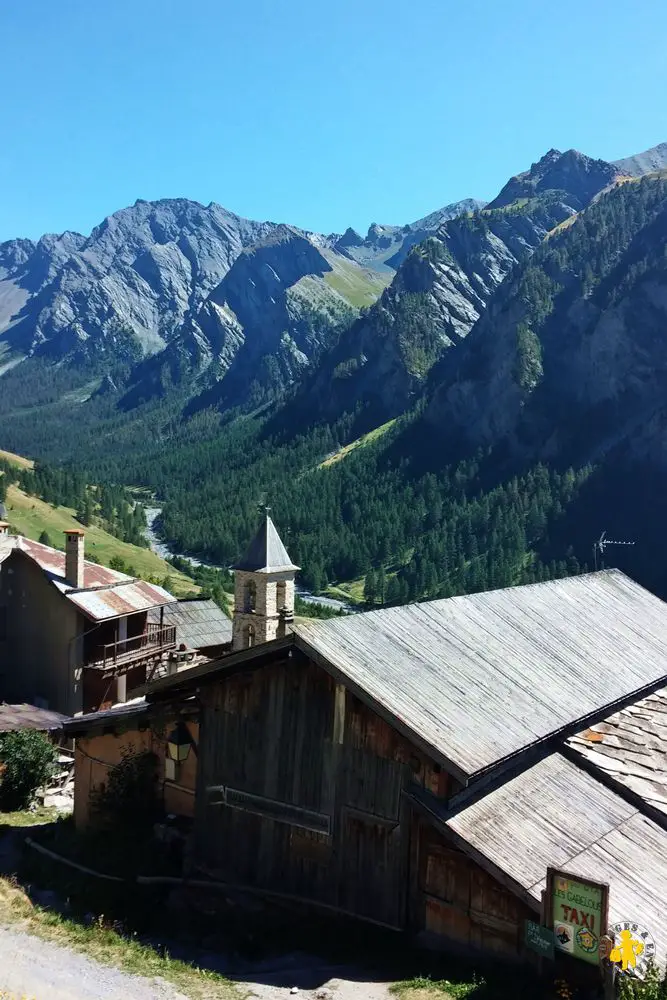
<point>164,550</point>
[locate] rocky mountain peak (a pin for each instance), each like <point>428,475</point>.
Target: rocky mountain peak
<point>350,238</point>
<point>650,161</point>
<point>573,173</point>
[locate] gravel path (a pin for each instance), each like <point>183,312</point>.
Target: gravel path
<point>333,989</point>
<point>40,970</point>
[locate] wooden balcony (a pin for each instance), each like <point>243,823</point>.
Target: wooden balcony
<point>122,655</point>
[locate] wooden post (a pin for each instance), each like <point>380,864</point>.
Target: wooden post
<point>339,714</point>
<point>544,917</point>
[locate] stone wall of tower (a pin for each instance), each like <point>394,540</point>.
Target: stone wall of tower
<point>265,618</point>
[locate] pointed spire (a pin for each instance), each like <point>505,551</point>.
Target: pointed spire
<point>266,553</point>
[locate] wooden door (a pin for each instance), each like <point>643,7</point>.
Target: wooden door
<point>372,883</point>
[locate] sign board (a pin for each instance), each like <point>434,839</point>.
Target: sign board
<point>577,912</point>
<point>539,939</point>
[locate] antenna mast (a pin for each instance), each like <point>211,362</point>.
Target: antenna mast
<point>601,545</point>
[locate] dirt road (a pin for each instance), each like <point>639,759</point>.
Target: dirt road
<point>39,970</point>
<point>33,969</point>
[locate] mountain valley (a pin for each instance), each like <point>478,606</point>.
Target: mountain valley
<point>498,369</point>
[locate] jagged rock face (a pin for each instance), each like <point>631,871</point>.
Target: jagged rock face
<point>435,299</point>
<point>577,176</point>
<point>265,322</point>
<point>128,286</point>
<point>570,359</point>
<point>386,247</point>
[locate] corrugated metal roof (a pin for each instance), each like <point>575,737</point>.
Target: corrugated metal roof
<point>199,623</point>
<point>106,592</point>
<point>630,747</point>
<point>29,717</point>
<point>266,553</point>
<point>123,599</point>
<point>480,677</point>
<point>555,814</point>
<point>53,561</point>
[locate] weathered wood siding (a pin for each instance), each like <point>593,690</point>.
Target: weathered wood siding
<point>455,900</point>
<point>300,791</point>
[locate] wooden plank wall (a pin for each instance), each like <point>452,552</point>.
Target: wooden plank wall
<point>456,900</point>
<point>287,736</point>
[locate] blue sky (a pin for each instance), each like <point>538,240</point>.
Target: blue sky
<point>322,115</point>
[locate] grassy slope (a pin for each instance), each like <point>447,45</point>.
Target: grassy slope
<point>364,439</point>
<point>360,286</point>
<point>31,516</point>
<point>22,463</point>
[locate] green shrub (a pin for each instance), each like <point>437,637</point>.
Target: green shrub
<point>28,760</point>
<point>128,802</point>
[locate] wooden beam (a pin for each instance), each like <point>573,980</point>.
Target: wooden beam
<point>340,677</point>
<point>339,714</point>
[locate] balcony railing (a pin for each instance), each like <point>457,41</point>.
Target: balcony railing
<point>134,650</point>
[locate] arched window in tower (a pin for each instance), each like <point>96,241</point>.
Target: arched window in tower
<point>250,636</point>
<point>250,595</point>
<point>281,595</point>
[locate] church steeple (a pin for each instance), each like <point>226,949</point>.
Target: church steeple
<point>263,589</point>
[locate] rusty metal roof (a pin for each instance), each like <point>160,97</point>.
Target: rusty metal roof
<point>630,748</point>
<point>123,599</point>
<point>556,814</point>
<point>481,677</point>
<point>29,717</point>
<point>106,592</point>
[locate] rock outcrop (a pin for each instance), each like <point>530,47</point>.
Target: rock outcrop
<point>270,317</point>
<point>570,358</point>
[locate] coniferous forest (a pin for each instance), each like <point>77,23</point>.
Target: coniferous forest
<point>431,503</point>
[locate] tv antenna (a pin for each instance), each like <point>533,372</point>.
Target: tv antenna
<point>600,546</point>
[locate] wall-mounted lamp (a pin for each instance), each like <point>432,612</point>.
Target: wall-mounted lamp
<point>179,743</point>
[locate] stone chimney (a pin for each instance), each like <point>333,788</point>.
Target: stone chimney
<point>74,557</point>
<point>4,528</point>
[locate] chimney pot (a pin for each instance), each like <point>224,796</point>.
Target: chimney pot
<point>74,568</point>
<point>4,528</point>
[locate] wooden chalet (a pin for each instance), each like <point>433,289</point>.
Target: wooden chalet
<point>74,635</point>
<point>409,766</point>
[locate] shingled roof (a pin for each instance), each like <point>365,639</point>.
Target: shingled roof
<point>477,679</point>
<point>266,553</point>
<point>555,814</point>
<point>630,748</point>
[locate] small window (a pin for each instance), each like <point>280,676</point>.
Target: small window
<point>250,595</point>
<point>281,595</point>
<point>250,636</point>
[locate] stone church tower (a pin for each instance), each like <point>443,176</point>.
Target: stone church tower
<point>263,590</point>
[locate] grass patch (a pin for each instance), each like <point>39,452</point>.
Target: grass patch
<point>359,286</point>
<point>423,987</point>
<point>39,816</point>
<point>30,516</point>
<point>358,443</point>
<point>351,591</point>
<point>102,944</point>
<point>18,460</point>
